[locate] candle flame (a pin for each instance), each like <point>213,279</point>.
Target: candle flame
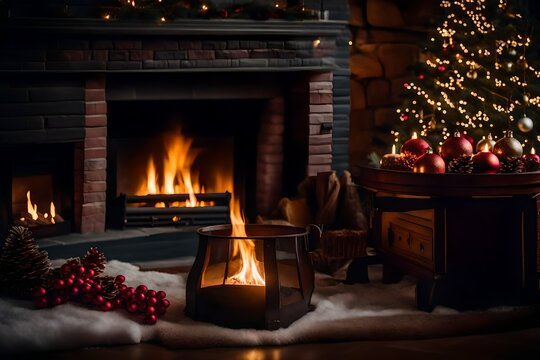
<point>486,148</point>
<point>414,135</point>
<point>533,151</point>
<point>394,149</point>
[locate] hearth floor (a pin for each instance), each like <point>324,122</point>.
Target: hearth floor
<point>135,245</point>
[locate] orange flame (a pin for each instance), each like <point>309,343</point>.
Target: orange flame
<point>251,271</point>
<point>31,209</point>
<point>178,177</point>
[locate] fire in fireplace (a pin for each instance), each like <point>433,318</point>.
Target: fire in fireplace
<point>169,190</point>
<point>34,216</point>
<point>250,276</point>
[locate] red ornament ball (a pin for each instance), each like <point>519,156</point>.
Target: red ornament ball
<point>469,138</point>
<point>485,162</point>
<point>415,146</point>
<point>441,68</point>
<point>429,163</point>
<point>161,295</point>
<point>106,306</point>
<point>151,293</point>
<point>456,146</point>
<point>39,292</point>
<point>150,310</point>
<point>119,279</point>
<point>132,307</point>
<point>79,270</point>
<point>141,289</point>
<point>98,299</point>
<point>89,273</point>
<point>151,301</point>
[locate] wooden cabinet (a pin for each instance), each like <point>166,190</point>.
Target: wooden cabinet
<point>471,240</point>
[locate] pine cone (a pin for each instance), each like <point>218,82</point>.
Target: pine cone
<point>530,165</point>
<point>23,266</point>
<point>108,285</point>
<point>95,260</point>
<point>461,165</point>
<point>406,162</point>
<point>512,165</point>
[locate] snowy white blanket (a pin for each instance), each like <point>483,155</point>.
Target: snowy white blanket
<point>343,312</point>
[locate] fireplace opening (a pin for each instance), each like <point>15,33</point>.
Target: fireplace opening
<point>173,160</point>
<point>38,188</point>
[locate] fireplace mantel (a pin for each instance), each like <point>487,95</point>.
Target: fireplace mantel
<point>183,27</point>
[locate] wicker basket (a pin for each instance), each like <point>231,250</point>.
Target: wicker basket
<point>344,244</point>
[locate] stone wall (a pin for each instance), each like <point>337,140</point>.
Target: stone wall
<point>386,35</point>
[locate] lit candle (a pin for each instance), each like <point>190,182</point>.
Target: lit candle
<point>532,155</point>
<point>391,161</point>
<point>485,162</point>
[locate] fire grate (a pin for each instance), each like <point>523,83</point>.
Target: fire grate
<point>164,210</point>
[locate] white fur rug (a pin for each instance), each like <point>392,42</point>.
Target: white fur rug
<point>343,312</point>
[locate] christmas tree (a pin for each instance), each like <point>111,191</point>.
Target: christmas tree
<point>476,76</point>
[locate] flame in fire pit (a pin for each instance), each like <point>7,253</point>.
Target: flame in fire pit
<point>177,176</point>
<point>33,217</point>
<point>250,270</point>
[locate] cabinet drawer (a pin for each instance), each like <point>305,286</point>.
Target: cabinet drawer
<point>415,245</point>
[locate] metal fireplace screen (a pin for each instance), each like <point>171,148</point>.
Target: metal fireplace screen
<point>282,293</point>
<point>163,210</point>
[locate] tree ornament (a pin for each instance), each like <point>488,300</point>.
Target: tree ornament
<point>512,52</point>
<point>469,138</point>
<point>472,74</point>
<point>23,266</point>
<point>485,162</point>
<point>455,146</point>
<point>429,163</point>
<point>525,124</point>
<point>461,165</point>
<point>482,143</point>
<point>511,165</point>
<point>508,147</point>
<point>415,146</point>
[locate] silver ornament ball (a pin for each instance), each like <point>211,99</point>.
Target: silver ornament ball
<point>525,124</point>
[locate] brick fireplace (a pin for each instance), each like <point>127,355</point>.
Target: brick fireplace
<point>63,81</point>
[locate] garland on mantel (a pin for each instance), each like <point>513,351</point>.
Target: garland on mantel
<point>167,10</point>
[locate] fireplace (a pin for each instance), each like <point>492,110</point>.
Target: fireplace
<point>110,93</point>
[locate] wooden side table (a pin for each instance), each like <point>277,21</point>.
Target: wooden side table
<point>470,239</point>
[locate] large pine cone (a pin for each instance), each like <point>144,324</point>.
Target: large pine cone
<point>108,285</point>
<point>461,165</point>
<point>511,165</point>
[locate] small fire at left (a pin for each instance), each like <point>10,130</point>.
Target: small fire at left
<point>33,216</point>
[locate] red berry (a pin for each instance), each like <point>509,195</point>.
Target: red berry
<point>41,302</point>
<point>140,296</point>
<point>106,306</point>
<point>72,276</point>
<point>96,288</point>
<point>98,299</point>
<point>160,310</point>
<point>89,273</point>
<point>151,293</point>
<point>69,282</point>
<point>150,319</point>
<point>79,270</point>
<point>78,282</point>
<point>66,269</point>
<point>161,294</point>
<point>151,301</point>
<point>56,300</point>
<point>122,287</point>
<point>59,284</point>
<point>119,279</point>
<point>117,301</point>
<point>86,288</point>
<point>141,307</point>
<point>132,307</point>
<point>150,310</point>
<point>142,289</point>
<point>74,291</point>
<point>39,292</point>
<point>165,303</point>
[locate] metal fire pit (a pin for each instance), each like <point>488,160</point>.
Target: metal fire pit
<point>289,278</point>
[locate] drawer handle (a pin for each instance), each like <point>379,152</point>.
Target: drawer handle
<point>422,248</point>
